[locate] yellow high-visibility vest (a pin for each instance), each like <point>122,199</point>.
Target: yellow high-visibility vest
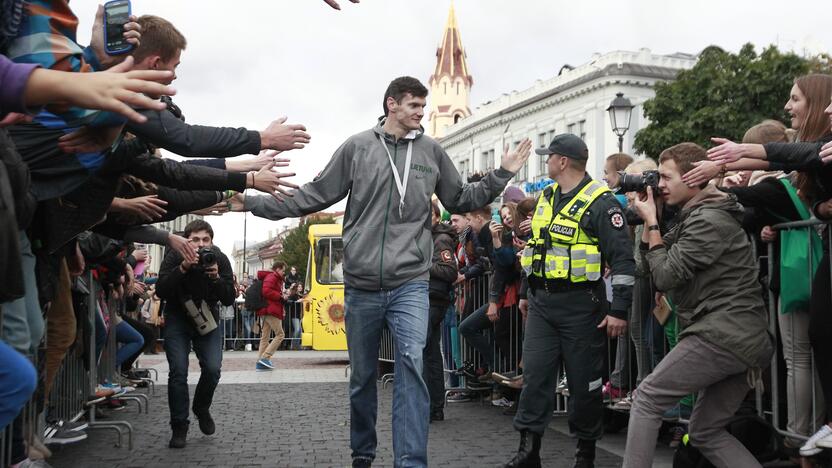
<point>572,253</point>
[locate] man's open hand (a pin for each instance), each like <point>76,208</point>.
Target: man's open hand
<point>513,161</point>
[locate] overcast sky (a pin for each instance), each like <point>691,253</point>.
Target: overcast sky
<point>248,61</point>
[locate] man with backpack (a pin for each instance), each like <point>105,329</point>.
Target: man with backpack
<point>706,266</point>
<point>274,296</point>
<point>254,301</point>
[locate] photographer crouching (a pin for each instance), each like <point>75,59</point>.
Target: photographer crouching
<point>192,288</point>
<point>706,266</point>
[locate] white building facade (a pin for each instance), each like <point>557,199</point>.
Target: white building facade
<point>575,101</point>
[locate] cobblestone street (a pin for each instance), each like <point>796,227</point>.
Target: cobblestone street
<point>279,420</point>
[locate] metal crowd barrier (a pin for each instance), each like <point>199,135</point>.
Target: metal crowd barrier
<point>21,430</point>
<point>102,370</point>
<point>506,337</point>
<point>776,389</point>
<point>76,380</point>
<point>238,334</point>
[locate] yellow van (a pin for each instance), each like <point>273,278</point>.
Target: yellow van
<point>323,309</point>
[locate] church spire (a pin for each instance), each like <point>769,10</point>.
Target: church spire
<point>450,83</point>
<point>450,55</point>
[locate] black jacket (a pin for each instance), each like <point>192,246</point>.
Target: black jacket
<point>803,157</point>
<point>16,208</point>
<point>63,218</point>
<point>177,287</point>
<point>165,130</point>
<point>443,269</point>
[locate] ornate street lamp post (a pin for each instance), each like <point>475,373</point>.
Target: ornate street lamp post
<point>621,110</point>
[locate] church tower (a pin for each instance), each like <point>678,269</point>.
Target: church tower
<point>450,83</point>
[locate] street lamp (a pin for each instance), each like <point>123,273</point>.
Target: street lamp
<point>621,110</point>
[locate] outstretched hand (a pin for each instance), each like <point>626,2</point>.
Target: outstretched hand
<point>726,151</point>
<point>826,153</point>
<point>272,182</point>
<point>148,208</point>
<point>701,173</point>
<point>514,161</point>
<point>115,90</point>
<point>284,137</point>
<point>334,4</point>
<point>89,139</point>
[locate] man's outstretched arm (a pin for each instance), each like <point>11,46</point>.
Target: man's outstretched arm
<point>326,189</point>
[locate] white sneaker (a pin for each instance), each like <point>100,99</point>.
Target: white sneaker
<point>811,446</point>
<point>826,442</point>
<point>502,402</point>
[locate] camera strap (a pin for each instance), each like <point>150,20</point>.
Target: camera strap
<point>402,187</point>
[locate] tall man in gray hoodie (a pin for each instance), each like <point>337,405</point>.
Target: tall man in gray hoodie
<point>389,173</point>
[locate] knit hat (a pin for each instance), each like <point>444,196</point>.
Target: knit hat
<point>513,194</point>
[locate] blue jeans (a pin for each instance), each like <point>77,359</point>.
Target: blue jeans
<point>450,343</point>
<point>22,318</point>
<point>472,329</point>
<point>228,332</point>
<point>297,331</point>
<point>17,383</point>
<point>248,321</point>
<point>405,311</point>
<point>131,342</point>
<point>180,334</point>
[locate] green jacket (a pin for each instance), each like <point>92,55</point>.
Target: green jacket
<point>709,270</point>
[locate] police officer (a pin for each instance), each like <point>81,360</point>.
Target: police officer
<point>577,228</point>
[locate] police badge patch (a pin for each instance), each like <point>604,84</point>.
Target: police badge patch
<point>617,220</point>
<point>446,255</point>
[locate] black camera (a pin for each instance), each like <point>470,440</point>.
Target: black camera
<point>638,182</point>
<point>207,257</point>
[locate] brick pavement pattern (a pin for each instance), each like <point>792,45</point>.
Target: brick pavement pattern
<point>304,425</point>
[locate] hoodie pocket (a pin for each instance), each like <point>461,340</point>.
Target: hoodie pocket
<point>406,251</point>
<point>361,256</point>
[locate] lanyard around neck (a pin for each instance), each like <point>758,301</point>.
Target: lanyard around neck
<point>402,187</point>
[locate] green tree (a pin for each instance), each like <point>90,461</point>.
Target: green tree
<point>722,95</point>
<point>296,244</point>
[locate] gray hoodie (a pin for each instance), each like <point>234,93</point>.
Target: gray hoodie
<point>384,248</point>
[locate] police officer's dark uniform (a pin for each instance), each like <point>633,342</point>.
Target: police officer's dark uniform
<point>574,235</point>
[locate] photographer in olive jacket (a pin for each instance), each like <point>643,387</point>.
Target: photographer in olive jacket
<point>192,290</point>
<point>707,267</point>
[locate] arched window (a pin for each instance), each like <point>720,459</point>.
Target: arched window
<point>457,117</point>
<point>445,86</point>
<point>457,88</point>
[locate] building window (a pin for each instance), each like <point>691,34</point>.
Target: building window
<point>464,170</point>
<point>543,140</point>
<point>582,129</point>
<point>570,129</point>
<point>445,87</point>
<point>487,162</point>
<point>457,89</point>
<point>457,117</point>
